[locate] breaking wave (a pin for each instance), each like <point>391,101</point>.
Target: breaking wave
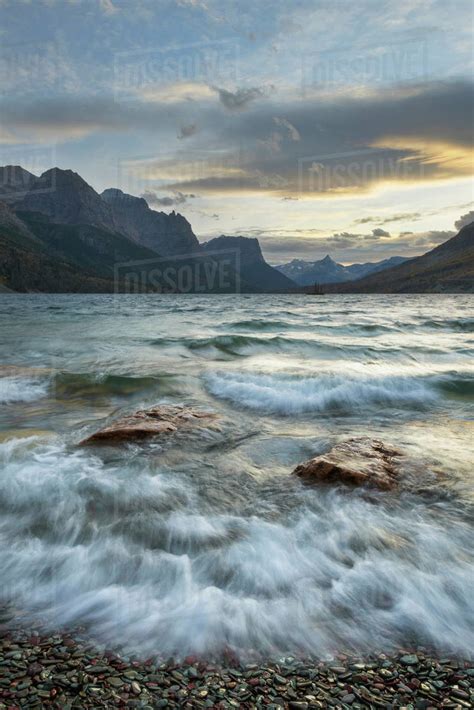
<point>136,553</point>
<point>290,394</point>
<point>22,389</point>
<point>208,543</point>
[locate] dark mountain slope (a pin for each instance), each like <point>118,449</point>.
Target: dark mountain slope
<point>256,274</point>
<point>448,268</point>
<point>26,265</point>
<point>37,254</point>
<point>167,234</point>
<point>64,197</point>
<point>15,181</point>
<point>62,228</point>
<point>86,246</point>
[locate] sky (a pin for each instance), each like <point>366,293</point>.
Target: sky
<point>318,126</point>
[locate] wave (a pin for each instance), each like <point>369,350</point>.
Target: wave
<point>97,384</point>
<point>456,385</point>
<point>230,344</point>
<point>260,325</point>
<point>463,325</point>
<point>22,389</point>
<point>290,394</point>
<point>227,344</point>
<point>244,345</point>
<point>128,550</point>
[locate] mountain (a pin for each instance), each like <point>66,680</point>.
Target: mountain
<point>14,182</point>
<point>255,273</point>
<point>62,236</point>
<point>57,234</point>
<point>11,223</point>
<point>358,271</point>
<point>37,254</point>
<point>167,234</point>
<point>449,268</point>
<point>66,198</point>
<point>27,265</point>
<point>306,273</point>
<point>85,246</point>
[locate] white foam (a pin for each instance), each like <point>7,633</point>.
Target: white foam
<point>130,550</point>
<point>21,389</point>
<point>287,394</point>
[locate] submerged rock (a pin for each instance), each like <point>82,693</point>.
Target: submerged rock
<point>163,419</point>
<point>356,462</point>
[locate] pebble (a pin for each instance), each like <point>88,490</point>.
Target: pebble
<point>63,672</point>
<point>115,681</point>
<point>135,687</point>
<point>409,660</point>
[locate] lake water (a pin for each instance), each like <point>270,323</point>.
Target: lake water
<point>204,541</point>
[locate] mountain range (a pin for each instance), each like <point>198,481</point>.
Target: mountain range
<point>57,234</point>
<point>324,271</point>
<point>448,268</point>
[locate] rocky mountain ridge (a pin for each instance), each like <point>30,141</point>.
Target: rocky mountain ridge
<point>58,218</point>
<point>306,273</point>
<point>167,234</point>
<point>249,262</point>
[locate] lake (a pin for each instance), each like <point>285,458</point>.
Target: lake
<point>204,541</point>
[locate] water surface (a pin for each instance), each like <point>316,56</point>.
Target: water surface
<point>204,541</point>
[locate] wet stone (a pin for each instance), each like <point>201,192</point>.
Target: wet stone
<point>35,674</point>
<point>115,681</point>
<point>348,699</point>
<point>409,660</point>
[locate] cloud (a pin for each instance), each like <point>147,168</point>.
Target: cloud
<point>154,200</point>
<point>464,219</point>
<point>292,131</point>
<point>348,144</point>
<point>400,216</point>
<point>306,147</point>
<point>177,92</point>
<point>238,100</point>
<point>380,232</point>
<point>193,4</point>
<point>347,247</point>
<point>187,131</point>
<point>108,7</point>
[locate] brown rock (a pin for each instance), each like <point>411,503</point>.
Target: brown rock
<point>355,462</point>
<point>163,419</point>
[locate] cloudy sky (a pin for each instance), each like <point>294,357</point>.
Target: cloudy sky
<point>317,125</point>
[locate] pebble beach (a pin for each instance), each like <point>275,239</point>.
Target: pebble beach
<point>69,671</point>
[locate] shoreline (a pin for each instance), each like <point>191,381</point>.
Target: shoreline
<point>67,670</point>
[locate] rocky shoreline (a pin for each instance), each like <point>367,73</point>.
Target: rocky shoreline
<point>69,671</point>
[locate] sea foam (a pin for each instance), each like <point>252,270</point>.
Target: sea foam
<point>21,389</point>
<point>130,551</point>
<point>290,394</point>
